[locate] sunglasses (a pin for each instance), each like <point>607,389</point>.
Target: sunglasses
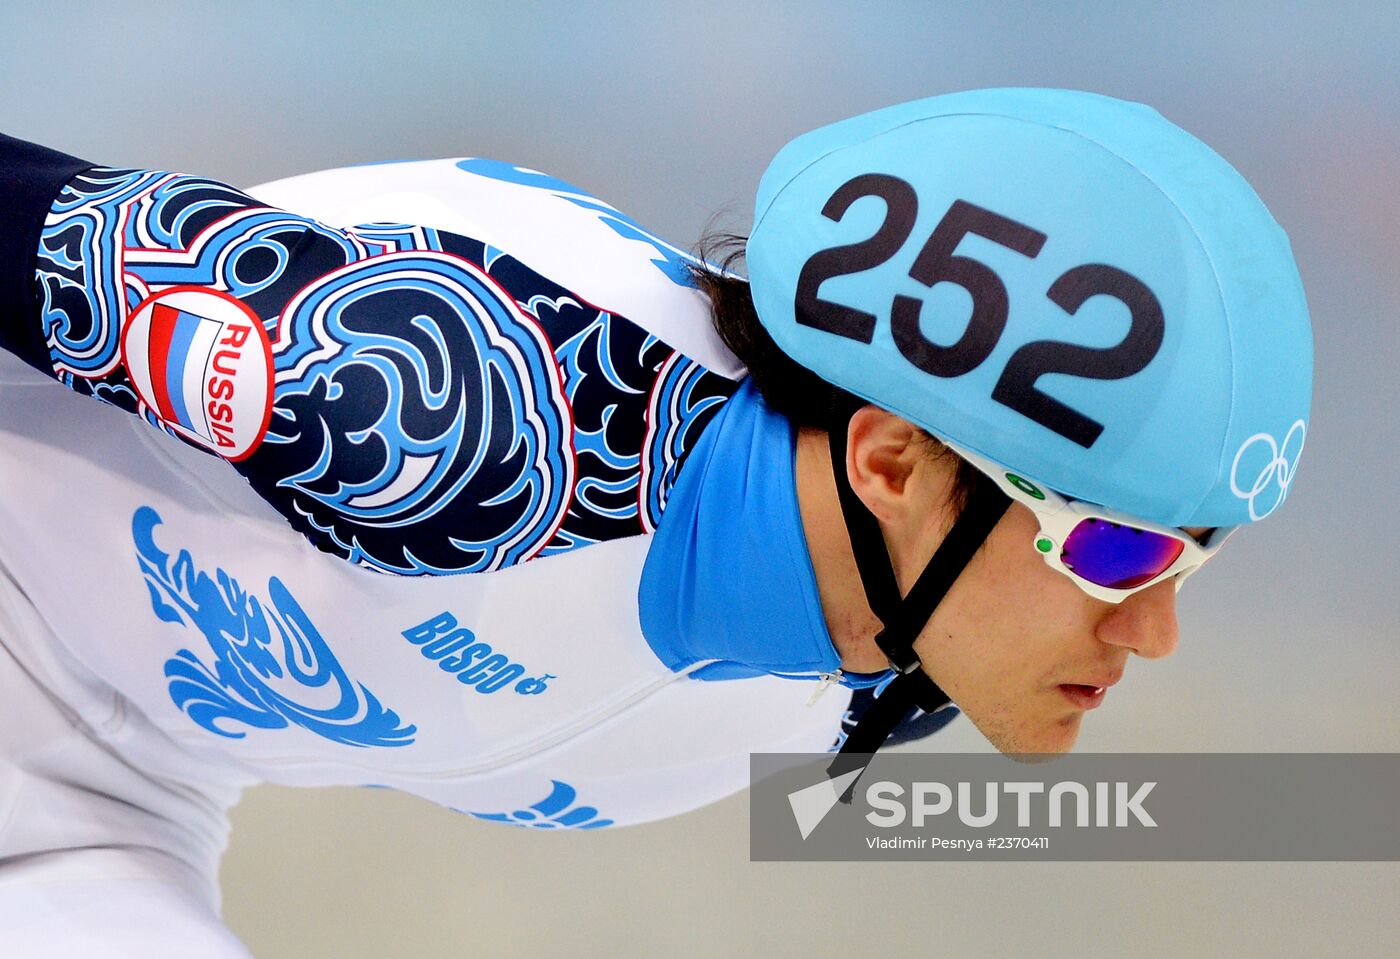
<point>1108,554</point>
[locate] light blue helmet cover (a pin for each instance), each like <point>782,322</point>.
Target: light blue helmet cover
<point>1180,383</point>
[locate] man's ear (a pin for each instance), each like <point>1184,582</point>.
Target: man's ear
<point>882,452</point>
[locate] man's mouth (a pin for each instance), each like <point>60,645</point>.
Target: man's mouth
<point>1083,696</point>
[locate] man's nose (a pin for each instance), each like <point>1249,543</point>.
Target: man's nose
<point>1145,622</point>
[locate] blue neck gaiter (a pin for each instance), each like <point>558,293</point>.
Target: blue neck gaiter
<point>728,576</point>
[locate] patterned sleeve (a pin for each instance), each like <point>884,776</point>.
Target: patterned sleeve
<point>30,177</point>
<point>414,401</point>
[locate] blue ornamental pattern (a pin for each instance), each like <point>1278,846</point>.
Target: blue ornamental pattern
<point>673,262</point>
<point>269,660</point>
<point>555,811</point>
<point>438,407</point>
<point>418,369</point>
<point>683,402</point>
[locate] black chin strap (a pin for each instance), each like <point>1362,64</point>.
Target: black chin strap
<point>903,617</point>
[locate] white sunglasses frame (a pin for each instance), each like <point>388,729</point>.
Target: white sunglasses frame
<point>1059,516</point>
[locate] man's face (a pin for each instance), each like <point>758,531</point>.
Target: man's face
<point>1019,647</point>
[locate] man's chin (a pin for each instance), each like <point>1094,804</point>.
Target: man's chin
<point>1036,744</point>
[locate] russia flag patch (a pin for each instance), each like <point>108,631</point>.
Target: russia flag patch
<point>200,360</point>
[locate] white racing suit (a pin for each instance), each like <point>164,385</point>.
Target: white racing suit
<point>441,453</point>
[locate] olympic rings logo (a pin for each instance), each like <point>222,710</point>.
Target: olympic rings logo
<point>1277,472</point>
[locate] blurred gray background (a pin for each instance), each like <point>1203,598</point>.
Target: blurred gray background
<point>671,112</point>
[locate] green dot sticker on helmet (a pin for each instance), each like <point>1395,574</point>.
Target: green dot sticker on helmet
<point>1044,545</point>
<point>1064,283</point>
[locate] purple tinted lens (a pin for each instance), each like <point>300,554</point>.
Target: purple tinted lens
<point>1119,557</point>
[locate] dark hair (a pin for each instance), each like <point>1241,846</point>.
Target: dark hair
<point>786,386</point>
